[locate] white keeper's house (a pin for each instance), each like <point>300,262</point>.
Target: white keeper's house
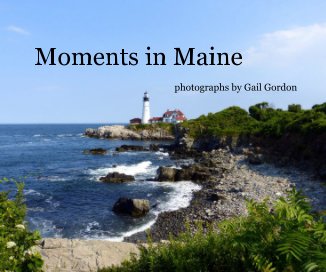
<point>174,116</point>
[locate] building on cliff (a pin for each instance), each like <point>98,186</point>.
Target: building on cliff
<point>174,116</point>
<point>170,116</point>
<point>155,120</point>
<point>135,121</point>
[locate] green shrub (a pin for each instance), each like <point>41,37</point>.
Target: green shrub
<point>286,238</point>
<point>231,121</point>
<point>294,108</point>
<point>262,120</point>
<point>320,107</point>
<point>16,241</point>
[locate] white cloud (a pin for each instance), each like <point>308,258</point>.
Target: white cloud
<point>18,30</point>
<point>288,47</point>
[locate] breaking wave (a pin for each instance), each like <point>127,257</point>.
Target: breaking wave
<point>141,168</point>
<point>178,198</point>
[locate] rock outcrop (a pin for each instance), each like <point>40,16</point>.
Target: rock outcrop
<point>116,177</point>
<point>96,151</point>
<point>166,173</point>
<point>303,150</point>
<point>122,132</point>
<point>66,255</point>
<point>132,207</point>
<point>126,148</point>
<point>195,172</point>
<point>112,132</point>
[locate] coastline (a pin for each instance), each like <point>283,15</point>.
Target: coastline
<point>225,195</point>
<point>222,197</point>
<point>234,176</point>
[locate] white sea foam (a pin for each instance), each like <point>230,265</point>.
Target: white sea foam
<point>36,209</point>
<point>180,197</point>
<point>56,178</point>
<point>52,178</point>
<point>37,135</point>
<point>46,227</point>
<point>160,153</point>
<point>54,204</point>
<point>31,192</point>
<point>91,226</point>
<point>131,232</point>
<point>64,135</point>
<point>144,167</point>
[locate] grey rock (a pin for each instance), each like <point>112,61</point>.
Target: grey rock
<point>132,207</point>
<point>166,174</point>
<point>96,151</point>
<point>116,177</point>
<point>255,158</point>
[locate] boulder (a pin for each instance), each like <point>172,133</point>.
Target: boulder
<point>193,172</point>
<point>96,151</point>
<point>183,174</point>
<point>255,158</point>
<point>125,148</point>
<point>201,176</point>
<point>116,177</point>
<point>215,197</point>
<point>132,207</point>
<point>154,147</point>
<point>166,173</point>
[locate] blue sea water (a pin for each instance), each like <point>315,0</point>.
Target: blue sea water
<point>62,189</point>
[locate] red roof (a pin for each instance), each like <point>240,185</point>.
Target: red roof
<point>181,118</point>
<point>168,113</point>
<point>156,119</point>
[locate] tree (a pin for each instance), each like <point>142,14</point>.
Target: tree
<point>294,108</point>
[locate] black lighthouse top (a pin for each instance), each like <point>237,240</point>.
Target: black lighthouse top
<point>146,98</point>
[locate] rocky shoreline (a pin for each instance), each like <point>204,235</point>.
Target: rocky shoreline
<point>228,176</point>
<point>227,179</point>
<point>234,178</point>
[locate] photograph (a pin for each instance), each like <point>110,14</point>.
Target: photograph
<point>163,136</point>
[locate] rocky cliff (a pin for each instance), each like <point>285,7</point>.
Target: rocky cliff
<point>303,150</point>
<point>150,132</point>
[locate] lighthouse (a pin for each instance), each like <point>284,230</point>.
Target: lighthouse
<point>146,112</point>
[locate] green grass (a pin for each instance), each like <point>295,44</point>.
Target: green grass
<point>165,126</point>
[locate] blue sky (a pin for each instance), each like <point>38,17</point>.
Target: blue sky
<point>281,41</point>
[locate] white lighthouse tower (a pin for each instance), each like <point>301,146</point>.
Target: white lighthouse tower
<point>146,111</point>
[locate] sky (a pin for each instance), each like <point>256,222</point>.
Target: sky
<point>280,41</point>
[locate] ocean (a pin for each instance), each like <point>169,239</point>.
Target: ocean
<point>62,189</point>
